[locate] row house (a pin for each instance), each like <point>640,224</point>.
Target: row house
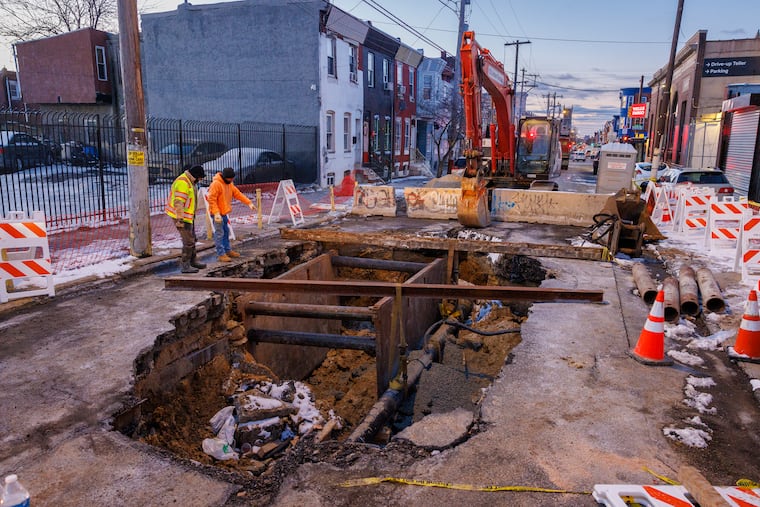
<point>75,72</point>
<point>307,63</point>
<point>435,79</point>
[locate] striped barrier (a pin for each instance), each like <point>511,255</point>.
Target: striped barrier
<point>658,203</point>
<point>24,257</point>
<point>692,209</point>
<point>725,223</point>
<point>286,195</point>
<point>748,256</point>
<point>621,495</point>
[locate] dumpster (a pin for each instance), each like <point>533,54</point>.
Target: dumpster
<point>616,164</point>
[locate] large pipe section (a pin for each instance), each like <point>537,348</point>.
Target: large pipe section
<point>383,264</point>
<point>300,310</point>
<point>672,299</point>
<point>687,283</point>
<point>331,341</point>
<point>711,296</point>
<point>645,283</point>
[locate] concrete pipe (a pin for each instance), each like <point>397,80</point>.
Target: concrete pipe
<point>672,299</point>
<point>645,283</point>
<point>687,285</point>
<point>711,296</point>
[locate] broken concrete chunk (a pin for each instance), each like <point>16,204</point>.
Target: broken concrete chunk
<point>255,407</point>
<point>438,431</point>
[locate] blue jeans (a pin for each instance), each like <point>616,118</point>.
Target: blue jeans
<point>222,236</point>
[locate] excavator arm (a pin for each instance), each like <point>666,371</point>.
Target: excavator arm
<point>481,70</point>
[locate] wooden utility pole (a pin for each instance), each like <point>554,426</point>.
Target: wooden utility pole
<point>134,104</point>
<point>663,117</point>
<point>455,125</point>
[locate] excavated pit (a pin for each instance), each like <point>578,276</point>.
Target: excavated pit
<point>208,362</point>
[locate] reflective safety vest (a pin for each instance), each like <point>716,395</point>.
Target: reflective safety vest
<point>183,191</point>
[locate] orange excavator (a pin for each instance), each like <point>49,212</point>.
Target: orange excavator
<point>495,160</point>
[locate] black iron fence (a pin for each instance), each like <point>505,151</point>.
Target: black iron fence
<point>73,166</point>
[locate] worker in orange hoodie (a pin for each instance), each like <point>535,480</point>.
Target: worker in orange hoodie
<point>220,195</point>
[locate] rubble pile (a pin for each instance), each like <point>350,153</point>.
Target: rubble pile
<point>263,421</point>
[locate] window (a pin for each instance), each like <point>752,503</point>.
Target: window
<point>427,87</point>
<point>347,132</point>
<point>399,73</point>
<point>411,85</point>
<point>407,133</point>
<point>13,90</point>
<point>375,133</point>
<point>331,70</point>
<point>352,64</point>
<point>371,70</point>
<point>386,71</point>
<point>100,61</point>
<point>330,131</point>
<point>397,136</point>
<point>387,132</point>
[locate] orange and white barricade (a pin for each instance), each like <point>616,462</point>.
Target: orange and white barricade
<point>286,196</point>
<point>725,223</point>
<point>657,198</point>
<point>25,267</point>
<point>620,495</point>
<point>748,255</point>
<point>693,208</point>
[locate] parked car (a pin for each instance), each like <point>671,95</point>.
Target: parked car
<point>19,150</point>
<point>642,172</point>
<point>172,158</point>
<point>712,178</point>
<point>252,165</point>
<point>459,165</point>
<point>577,156</point>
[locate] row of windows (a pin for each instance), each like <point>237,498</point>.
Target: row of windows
<point>349,140</point>
<point>332,68</point>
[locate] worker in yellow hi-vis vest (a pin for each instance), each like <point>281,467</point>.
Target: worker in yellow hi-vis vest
<point>181,208</point>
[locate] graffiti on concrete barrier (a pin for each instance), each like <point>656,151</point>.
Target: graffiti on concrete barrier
<point>432,202</point>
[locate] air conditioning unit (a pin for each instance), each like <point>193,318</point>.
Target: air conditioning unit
<point>401,90</point>
<point>352,77</point>
<point>387,85</point>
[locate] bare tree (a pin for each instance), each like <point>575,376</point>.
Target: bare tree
<point>22,20</point>
<point>445,133</point>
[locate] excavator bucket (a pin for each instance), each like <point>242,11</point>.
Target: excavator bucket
<point>473,203</point>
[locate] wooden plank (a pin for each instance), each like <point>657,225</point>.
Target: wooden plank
<point>467,245</point>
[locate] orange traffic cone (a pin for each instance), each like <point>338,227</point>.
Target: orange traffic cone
<point>650,348</point>
<point>747,347</point>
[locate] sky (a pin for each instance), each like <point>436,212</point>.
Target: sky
<point>584,51</point>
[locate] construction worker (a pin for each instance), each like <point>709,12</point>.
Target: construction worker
<point>220,195</point>
<point>181,208</point>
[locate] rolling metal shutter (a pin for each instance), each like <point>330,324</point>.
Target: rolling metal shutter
<point>741,149</point>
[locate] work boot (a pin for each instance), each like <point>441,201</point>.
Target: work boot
<point>224,258</point>
<point>233,253</point>
<point>187,268</point>
<point>196,264</point>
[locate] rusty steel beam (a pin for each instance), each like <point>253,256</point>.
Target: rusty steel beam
<point>373,288</point>
<point>330,341</point>
<point>462,245</point>
<point>388,265</point>
<point>299,310</point>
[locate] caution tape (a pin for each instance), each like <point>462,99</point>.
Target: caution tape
<point>369,481</point>
<point>661,477</point>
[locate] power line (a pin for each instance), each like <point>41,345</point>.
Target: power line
<point>382,10</point>
<point>593,90</point>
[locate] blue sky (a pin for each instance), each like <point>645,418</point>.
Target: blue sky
<point>585,50</point>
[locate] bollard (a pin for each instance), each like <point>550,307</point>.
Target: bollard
<point>258,209</point>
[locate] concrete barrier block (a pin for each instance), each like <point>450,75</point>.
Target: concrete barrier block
<point>555,208</point>
<point>435,203</point>
<point>371,200</point>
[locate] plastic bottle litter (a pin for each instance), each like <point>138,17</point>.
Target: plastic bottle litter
<point>14,494</point>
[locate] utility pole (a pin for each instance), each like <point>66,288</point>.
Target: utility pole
<point>663,117</point>
<point>516,44</point>
<point>134,104</point>
<point>455,99</point>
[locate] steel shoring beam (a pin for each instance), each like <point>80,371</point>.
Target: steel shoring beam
<point>308,311</point>
<point>446,244</point>
<point>331,341</point>
<point>361,262</point>
<point>372,288</point>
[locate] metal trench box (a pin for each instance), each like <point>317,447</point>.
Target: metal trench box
<point>275,321</point>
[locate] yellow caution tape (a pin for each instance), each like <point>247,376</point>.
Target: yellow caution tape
<point>661,477</point>
<point>747,483</point>
<point>368,481</point>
